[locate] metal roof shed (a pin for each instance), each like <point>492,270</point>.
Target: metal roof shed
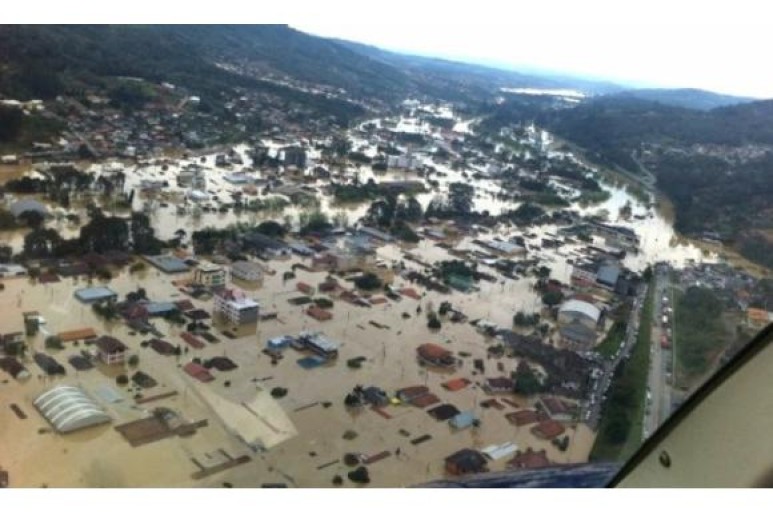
<point>68,408</point>
<point>463,420</point>
<point>497,452</point>
<point>95,294</point>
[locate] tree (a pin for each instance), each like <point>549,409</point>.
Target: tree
<point>618,427</point>
<point>105,233</point>
<point>460,198</point>
<point>143,236</point>
<point>552,298</point>
<point>32,218</point>
<point>271,228</point>
<point>122,380</point>
<point>42,243</point>
<point>53,342</point>
<point>315,222</point>
<point>134,360</point>
<point>433,322</point>
<point>543,272</point>
<point>408,209</point>
<point>11,121</point>
<point>526,381</point>
<point>382,211</point>
<point>359,475</point>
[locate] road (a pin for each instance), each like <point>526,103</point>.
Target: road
<point>658,406</point>
<point>596,398</point>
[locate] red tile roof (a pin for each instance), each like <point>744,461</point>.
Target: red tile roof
<point>433,351</point>
<point>554,406</point>
<point>529,460</point>
<point>548,429</point>
<point>199,372</point>
<point>524,417</point>
<point>456,384</point>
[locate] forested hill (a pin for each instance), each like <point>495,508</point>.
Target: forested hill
<point>45,61</point>
<point>716,165</point>
<point>685,97</point>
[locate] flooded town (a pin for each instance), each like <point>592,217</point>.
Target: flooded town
<point>401,302</point>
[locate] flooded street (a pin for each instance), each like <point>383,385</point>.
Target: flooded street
<point>302,431</point>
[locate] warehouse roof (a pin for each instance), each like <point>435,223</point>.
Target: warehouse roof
<point>584,308</point>
<point>68,408</point>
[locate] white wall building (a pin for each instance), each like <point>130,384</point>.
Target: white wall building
<point>234,306</point>
<point>209,274</point>
<point>247,271</point>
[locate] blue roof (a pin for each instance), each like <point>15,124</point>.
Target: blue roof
<point>94,294</point>
<point>462,420</point>
<point>157,308</point>
<point>168,264</point>
<point>608,274</point>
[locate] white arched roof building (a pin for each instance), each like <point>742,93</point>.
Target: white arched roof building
<point>574,310</point>
<point>68,408</point>
<point>20,206</point>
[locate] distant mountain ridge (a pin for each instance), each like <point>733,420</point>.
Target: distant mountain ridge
<point>689,98</point>
<point>43,61</point>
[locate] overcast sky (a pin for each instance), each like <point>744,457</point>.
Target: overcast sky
<point>722,46</point>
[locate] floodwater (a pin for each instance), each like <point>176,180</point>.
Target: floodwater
<point>100,457</point>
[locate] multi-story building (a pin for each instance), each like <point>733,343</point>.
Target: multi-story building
<point>235,307</point>
<point>247,271</point>
<point>209,274</point>
<point>111,351</point>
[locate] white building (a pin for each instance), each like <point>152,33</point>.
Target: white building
<point>247,271</point>
<point>209,274</point>
<point>68,408</point>
<point>404,162</point>
<point>579,311</point>
<point>234,306</point>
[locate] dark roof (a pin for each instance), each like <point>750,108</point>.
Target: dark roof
<point>410,392</point>
<point>80,363</point>
<point>529,460</point>
<point>443,412</point>
<point>110,345</point>
<point>221,363</point>
<point>12,366</point>
<point>162,346</point>
<point>548,429</point>
<point>524,417</point>
<point>554,406</point>
<point>256,239</point>
<point>467,460</point>
<point>48,364</point>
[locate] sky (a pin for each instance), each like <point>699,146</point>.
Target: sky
<point>719,45</point>
<point>646,43</point>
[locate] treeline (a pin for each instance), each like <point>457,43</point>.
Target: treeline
<point>700,332</point>
<point>727,194</point>
<point>46,61</point>
<point>101,234</point>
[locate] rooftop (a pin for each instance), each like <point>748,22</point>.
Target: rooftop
<point>95,294</point>
<point>68,408</point>
<point>110,345</point>
<point>167,263</point>
<point>579,306</point>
